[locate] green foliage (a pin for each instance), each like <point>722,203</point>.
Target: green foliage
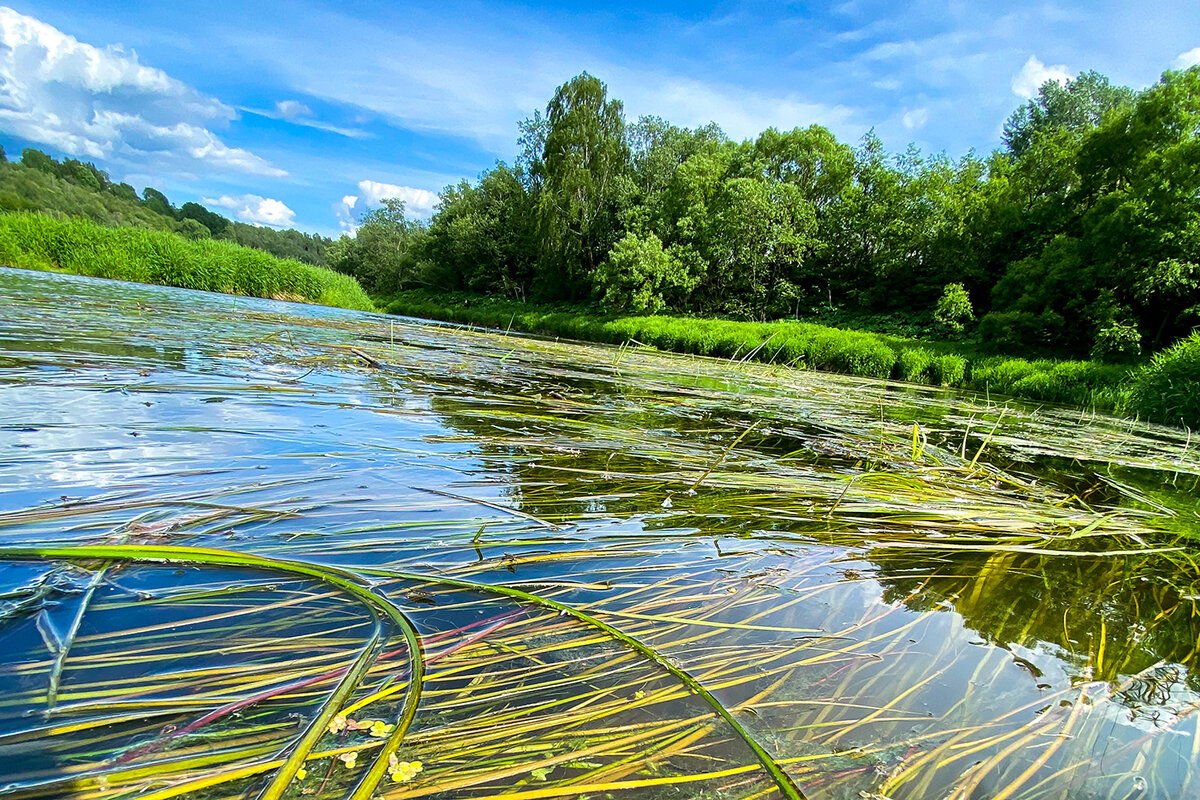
<point>637,273</point>
<point>584,162</point>
<point>381,255</point>
<point>81,247</point>
<point>77,189</point>
<point>1085,218</point>
<point>948,370</point>
<point>1117,341</point>
<point>1168,388</point>
<point>954,310</point>
<point>914,363</point>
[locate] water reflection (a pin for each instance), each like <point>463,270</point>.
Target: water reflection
<point>991,605</point>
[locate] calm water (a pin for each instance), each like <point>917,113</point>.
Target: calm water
<point>898,592</point>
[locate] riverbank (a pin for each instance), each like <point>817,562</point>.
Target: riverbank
<point>81,247</point>
<point>1121,389</point>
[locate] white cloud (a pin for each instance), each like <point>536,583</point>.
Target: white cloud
<point>344,211</point>
<point>1188,59</point>
<point>915,119</point>
<point>104,105</point>
<point>290,109</point>
<point>741,114</point>
<point>298,113</point>
<point>1034,74</point>
<point>255,210</point>
<point>417,202</point>
<point>480,88</point>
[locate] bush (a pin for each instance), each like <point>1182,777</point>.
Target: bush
<point>1168,388</point>
<point>914,364</point>
<point>948,370</point>
<point>953,310</point>
<point>1117,342</point>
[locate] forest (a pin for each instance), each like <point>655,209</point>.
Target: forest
<point>1078,237</point>
<point>70,188</point>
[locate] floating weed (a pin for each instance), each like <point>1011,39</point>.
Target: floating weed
<point>859,588</point>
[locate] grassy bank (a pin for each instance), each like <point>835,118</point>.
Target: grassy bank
<point>81,247</point>
<point>1090,384</point>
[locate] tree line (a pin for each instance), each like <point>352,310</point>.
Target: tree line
<point>72,188</point>
<point>1079,235</point>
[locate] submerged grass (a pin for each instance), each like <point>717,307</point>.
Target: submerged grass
<point>1090,384</point>
<point>82,247</point>
<point>630,573</point>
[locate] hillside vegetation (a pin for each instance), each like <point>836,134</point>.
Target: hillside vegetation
<point>71,188</point>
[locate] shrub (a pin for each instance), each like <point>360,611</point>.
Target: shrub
<point>914,364</point>
<point>1168,388</point>
<point>953,310</point>
<point>1118,341</point>
<point>948,370</point>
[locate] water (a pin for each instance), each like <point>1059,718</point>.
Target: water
<point>895,591</point>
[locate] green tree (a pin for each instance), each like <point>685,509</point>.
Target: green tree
<point>36,159</point>
<point>383,253</point>
<point>637,274</point>
<point>585,159</point>
<point>954,310</point>
<point>211,220</point>
<point>157,202</point>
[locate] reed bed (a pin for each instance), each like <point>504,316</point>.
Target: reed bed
<point>82,247</point>
<point>1090,384</point>
<point>345,557</point>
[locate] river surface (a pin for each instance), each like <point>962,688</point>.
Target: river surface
<point>891,591</point>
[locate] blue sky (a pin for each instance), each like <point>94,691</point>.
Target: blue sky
<point>280,113</point>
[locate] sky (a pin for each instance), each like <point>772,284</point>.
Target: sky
<point>305,114</point>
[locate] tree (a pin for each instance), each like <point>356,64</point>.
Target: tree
<point>1075,107</point>
<point>211,220</point>
<point>953,310</point>
<point>382,254</point>
<point>637,274</point>
<point>36,159</point>
<point>157,202</point>
<point>484,237</point>
<point>585,158</point>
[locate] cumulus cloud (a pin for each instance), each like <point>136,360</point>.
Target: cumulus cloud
<point>1188,59</point>
<point>262,211</point>
<point>417,202</point>
<point>103,104</point>
<point>1034,74</point>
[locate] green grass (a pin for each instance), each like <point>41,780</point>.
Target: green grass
<point>1090,384</point>
<point>82,247</point>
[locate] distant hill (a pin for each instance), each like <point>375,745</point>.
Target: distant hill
<point>71,188</point>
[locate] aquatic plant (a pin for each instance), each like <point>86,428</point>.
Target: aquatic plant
<point>82,247</point>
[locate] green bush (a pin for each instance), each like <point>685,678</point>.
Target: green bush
<point>1168,388</point>
<point>1117,342</point>
<point>948,370</point>
<point>953,310</point>
<point>914,364</point>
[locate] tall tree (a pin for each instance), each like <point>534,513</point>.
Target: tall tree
<point>585,161</point>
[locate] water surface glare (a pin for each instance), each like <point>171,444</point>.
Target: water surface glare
<point>892,591</point>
